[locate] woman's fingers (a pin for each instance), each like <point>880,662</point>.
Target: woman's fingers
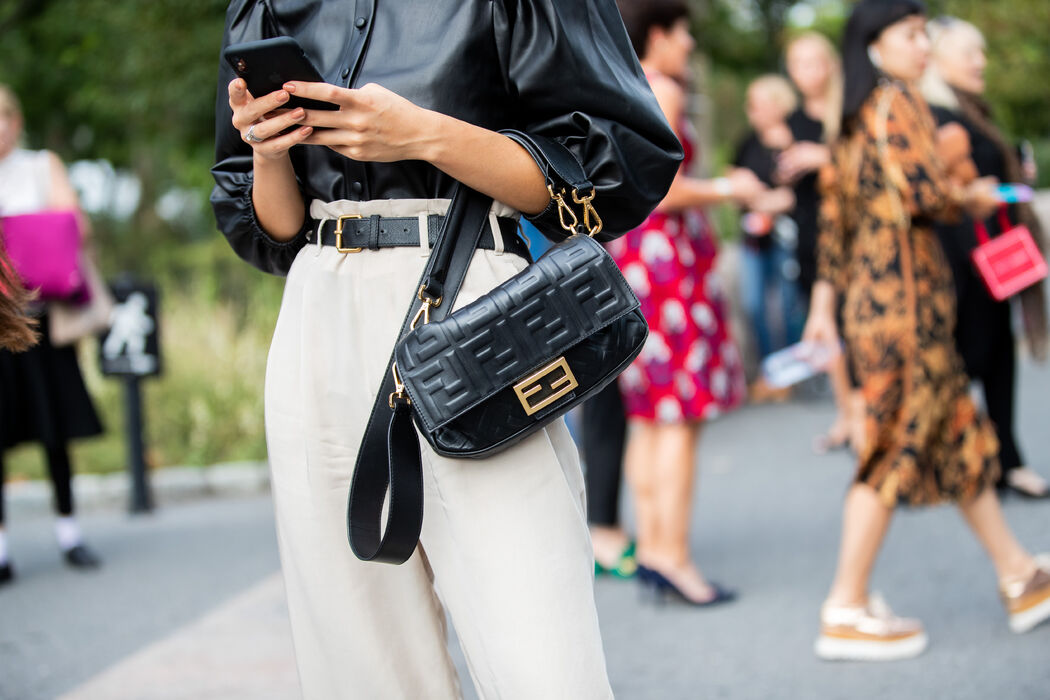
<point>275,125</point>
<point>247,111</point>
<point>238,90</point>
<point>278,145</point>
<point>326,118</point>
<point>325,92</point>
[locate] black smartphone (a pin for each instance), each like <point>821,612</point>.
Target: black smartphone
<point>268,64</point>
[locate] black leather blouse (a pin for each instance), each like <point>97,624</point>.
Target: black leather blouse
<point>558,68</point>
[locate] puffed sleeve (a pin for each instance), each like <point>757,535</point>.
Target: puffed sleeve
<point>911,152</point>
<point>573,75</point>
<point>231,198</point>
<point>831,231</point>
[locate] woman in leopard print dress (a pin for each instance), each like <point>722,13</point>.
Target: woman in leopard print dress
<point>925,441</point>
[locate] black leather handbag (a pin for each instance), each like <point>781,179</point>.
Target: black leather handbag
<point>480,379</point>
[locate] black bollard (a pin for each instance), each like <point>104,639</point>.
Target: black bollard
<point>131,350</point>
<point>141,498</point>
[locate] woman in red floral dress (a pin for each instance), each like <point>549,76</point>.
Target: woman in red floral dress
<point>689,370</point>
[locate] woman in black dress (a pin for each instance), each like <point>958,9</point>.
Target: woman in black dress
<point>984,330</point>
<point>815,68</point>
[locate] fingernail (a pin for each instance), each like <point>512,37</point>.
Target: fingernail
<point>299,113</point>
<point>307,130</point>
<point>289,87</point>
<point>282,96</point>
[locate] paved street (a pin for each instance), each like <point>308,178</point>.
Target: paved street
<point>189,604</point>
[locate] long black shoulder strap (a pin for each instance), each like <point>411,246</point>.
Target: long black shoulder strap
<point>389,456</point>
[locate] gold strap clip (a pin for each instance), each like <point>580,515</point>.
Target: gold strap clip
<point>589,211</point>
<point>399,389</point>
<point>566,216</point>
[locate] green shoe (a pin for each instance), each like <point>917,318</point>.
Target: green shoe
<point>625,568</point>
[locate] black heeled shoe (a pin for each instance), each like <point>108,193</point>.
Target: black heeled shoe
<point>82,557</point>
<point>7,573</point>
<point>661,588</point>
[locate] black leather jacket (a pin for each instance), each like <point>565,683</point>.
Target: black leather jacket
<point>559,68</point>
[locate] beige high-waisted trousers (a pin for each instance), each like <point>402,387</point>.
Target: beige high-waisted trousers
<point>504,546</point>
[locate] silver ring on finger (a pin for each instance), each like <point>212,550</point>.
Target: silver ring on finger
<point>250,137</point>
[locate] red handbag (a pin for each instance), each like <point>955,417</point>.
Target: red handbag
<point>1011,261</point>
<point>44,249</point>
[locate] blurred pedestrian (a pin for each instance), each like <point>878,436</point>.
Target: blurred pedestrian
<point>770,236</point>
<point>504,546</point>
<point>17,328</point>
<point>604,434</point>
<point>954,85</point>
<point>690,370</point>
<point>815,68</point>
<point>925,443</point>
<point>42,394</point>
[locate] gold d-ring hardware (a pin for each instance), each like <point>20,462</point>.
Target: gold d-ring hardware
<point>339,234</point>
<point>588,211</point>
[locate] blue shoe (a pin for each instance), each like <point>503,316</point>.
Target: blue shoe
<point>662,588</point>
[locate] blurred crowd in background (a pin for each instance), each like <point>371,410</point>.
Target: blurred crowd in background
<point>755,92</point>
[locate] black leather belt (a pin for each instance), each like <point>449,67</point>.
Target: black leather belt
<point>353,234</point>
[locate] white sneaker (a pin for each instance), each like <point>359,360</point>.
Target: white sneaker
<point>868,633</point>
<point>1028,602</point>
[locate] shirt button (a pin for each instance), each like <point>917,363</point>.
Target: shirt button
<point>346,72</point>
<point>360,22</point>
<point>357,187</point>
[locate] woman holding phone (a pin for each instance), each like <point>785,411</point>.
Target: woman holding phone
<point>423,89</point>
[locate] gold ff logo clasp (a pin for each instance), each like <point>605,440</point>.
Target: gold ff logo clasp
<point>545,386</point>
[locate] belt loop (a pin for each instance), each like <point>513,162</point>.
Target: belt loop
<point>434,222</point>
<point>424,235</point>
<point>373,232</point>
<point>320,226</point>
<point>497,234</point>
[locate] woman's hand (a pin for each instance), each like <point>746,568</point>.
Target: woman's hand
<point>744,185</point>
<point>376,125</point>
<point>801,158</point>
<point>372,123</point>
<point>981,198</point>
<point>821,327</point>
<point>773,201</point>
<point>266,121</point>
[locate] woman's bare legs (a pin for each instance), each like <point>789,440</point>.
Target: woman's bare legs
<point>985,517</point>
<point>609,543</point>
<point>865,522</point>
<point>661,470</point>
<point>858,411</point>
<point>841,431</point>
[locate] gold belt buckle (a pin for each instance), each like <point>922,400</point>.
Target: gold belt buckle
<point>339,234</point>
<point>536,394</point>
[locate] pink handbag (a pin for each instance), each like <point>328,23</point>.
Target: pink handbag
<point>1010,262</point>
<point>44,249</point>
